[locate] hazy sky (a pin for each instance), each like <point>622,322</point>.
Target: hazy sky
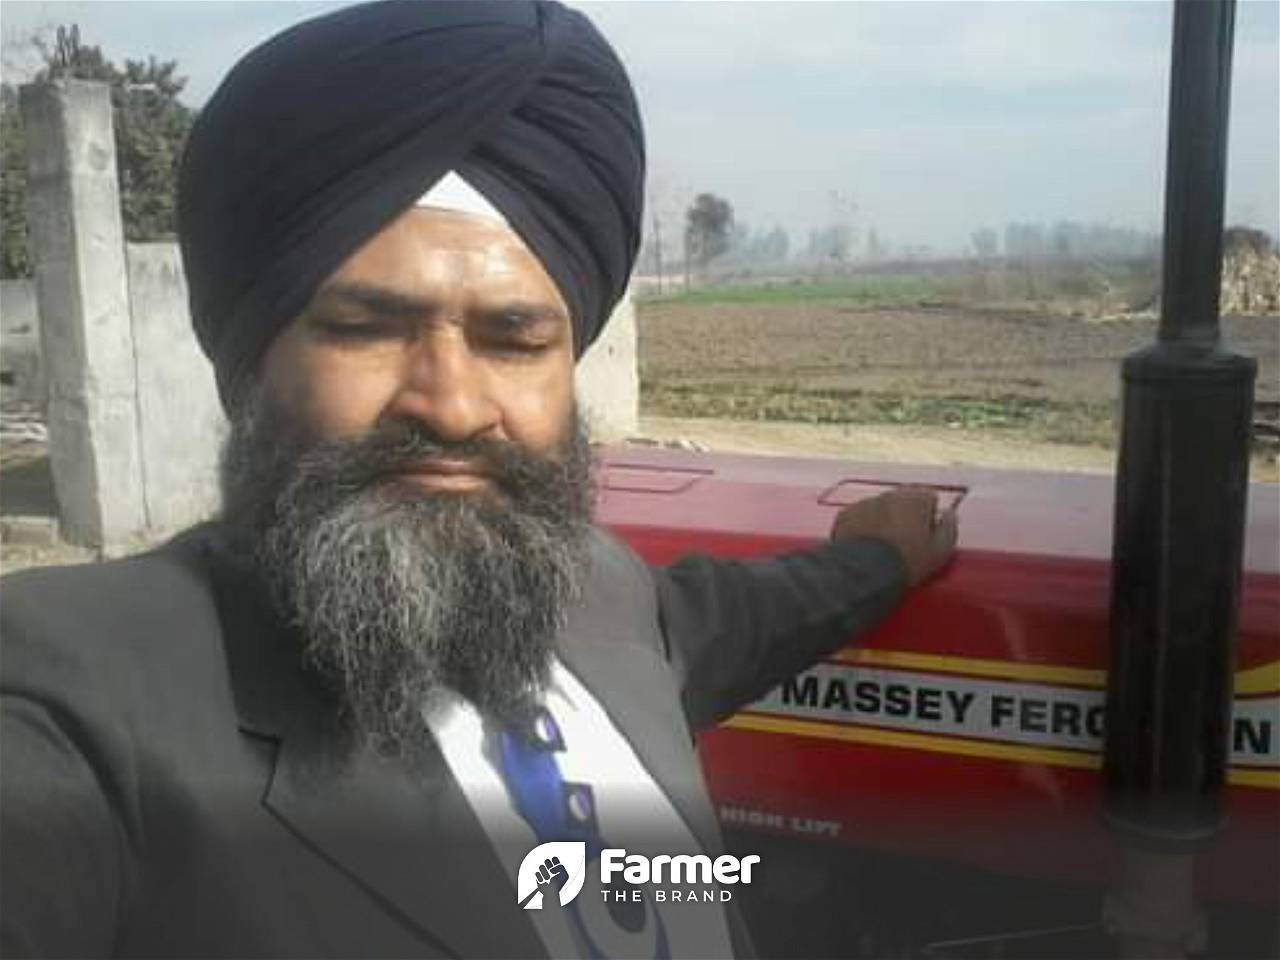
<point>933,118</point>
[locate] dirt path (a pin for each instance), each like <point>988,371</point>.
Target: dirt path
<point>895,444</point>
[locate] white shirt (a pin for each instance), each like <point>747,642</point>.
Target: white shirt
<point>631,812</point>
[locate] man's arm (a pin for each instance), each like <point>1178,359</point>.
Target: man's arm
<point>66,857</point>
<point>61,858</point>
<point>736,629</point>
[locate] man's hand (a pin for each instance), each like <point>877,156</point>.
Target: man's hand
<point>908,520</point>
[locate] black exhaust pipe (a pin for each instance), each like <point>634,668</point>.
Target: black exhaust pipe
<point>1181,488</point>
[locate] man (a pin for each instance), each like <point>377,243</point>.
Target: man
<point>333,722</point>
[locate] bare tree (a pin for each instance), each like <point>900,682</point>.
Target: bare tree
<point>832,245</point>
<point>985,243</point>
<point>876,249</point>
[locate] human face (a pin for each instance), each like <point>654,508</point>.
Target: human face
<point>442,318</point>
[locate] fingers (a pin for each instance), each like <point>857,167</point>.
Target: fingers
<point>899,509</point>
<point>946,530</point>
<point>913,520</point>
<point>925,532</point>
<point>909,519</point>
<point>913,505</point>
<point>942,541</point>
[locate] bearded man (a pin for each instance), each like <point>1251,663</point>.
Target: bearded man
<point>332,722</point>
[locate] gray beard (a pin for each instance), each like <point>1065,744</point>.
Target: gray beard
<point>396,593</point>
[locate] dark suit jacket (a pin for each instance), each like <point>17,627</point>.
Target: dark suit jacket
<point>172,785</point>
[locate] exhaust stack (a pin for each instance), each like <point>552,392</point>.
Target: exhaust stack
<point>1181,488</point>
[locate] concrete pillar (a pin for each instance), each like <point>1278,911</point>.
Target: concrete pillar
<point>77,238</point>
<point>608,379</point>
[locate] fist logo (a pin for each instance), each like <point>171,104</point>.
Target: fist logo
<point>551,875</point>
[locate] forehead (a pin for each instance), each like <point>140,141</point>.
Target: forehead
<point>444,253</point>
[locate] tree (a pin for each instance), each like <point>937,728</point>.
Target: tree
<point>831,244</point>
<point>15,258</point>
<point>774,246</point>
<point>985,243</point>
<point>876,250</point>
<point>1024,240</point>
<point>1238,240</point>
<point>1067,239</point>
<point>708,229</point>
<point>151,126</point>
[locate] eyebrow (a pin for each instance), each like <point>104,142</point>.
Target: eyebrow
<point>392,303</point>
<point>529,310</point>
<point>381,300</point>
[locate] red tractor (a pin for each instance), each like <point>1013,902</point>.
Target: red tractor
<point>948,786</point>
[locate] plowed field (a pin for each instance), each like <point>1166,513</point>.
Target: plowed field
<point>1053,378</point>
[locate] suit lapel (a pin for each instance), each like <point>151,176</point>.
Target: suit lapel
<point>622,683</point>
<point>408,838</point>
<point>612,645</point>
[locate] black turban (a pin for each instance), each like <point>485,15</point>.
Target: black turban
<point>323,135</point>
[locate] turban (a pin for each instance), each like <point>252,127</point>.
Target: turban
<point>323,135</point>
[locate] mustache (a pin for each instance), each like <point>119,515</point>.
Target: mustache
<point>398,446</point>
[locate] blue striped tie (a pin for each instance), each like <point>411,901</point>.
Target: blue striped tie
<point>557,810</point>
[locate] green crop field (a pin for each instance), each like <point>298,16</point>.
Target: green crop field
<point>879,290</point>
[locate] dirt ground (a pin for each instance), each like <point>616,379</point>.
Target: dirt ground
<point>876,444</point>
<point>898,444</point>
<point>920,350</point>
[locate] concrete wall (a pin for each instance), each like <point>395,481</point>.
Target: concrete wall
<point>21,381</point>
<point>180,423</point>
<point>608,378</point>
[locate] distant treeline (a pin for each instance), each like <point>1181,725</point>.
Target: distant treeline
<point>842,247</point>
<point>1065,239</point>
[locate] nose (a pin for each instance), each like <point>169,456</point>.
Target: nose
<point>446,387</point>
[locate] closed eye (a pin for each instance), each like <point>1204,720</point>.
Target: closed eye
<point>519,330</point>
<point>359,329</point>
